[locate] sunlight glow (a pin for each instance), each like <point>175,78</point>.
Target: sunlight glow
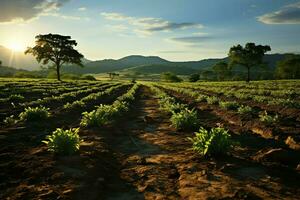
<point>17,47</point>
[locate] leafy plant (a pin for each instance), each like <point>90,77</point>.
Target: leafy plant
<point>16,97</point>
<point>185,119</point>
<point>201,98</point>
<point>229,105</point>
<point>215,142</point>
<point>75,105</point>
<point>99,117</point>
<point>10,120</point>
<point>244,110</point>
<point>212,100</point>
<point>63,142</point>
<point>268,119</point>
<point>34,114</point>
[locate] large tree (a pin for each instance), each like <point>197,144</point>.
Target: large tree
<point>55,48</point>
<point>249,56</point>
<point>289,67</point>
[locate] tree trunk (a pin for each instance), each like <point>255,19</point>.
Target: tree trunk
<point>248,74</point>
<point>58,72</point>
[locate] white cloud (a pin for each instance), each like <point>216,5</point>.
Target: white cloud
<point>289,14</point>
<point>145,26</point>
<point>82,9</point>
<point>15,11</point>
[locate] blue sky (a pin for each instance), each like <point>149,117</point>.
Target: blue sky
<point>173,29</point>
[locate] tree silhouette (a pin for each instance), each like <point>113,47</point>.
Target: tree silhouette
<point>112,75</point>
<point>248,56</point>
<point>56,48</point>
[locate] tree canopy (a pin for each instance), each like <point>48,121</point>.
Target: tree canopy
<point>170,77</point>
<point>249,56</point>
<point>289,68</point>
<point>194,77</point>
<point>56,48</point>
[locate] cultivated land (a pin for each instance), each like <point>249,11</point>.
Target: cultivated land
<point>137,153</point>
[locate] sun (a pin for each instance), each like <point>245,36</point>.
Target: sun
<point>16,47</point>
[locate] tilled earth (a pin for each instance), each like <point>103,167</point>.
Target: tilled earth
<point>142,157</point>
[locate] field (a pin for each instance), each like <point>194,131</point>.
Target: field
<point>134,140</point>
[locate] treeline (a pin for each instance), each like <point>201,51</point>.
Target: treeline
<point>288,68</point>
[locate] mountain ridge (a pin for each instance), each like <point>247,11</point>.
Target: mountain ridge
<point>139,63</point>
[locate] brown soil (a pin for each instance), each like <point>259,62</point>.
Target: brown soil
<point>142,157</point>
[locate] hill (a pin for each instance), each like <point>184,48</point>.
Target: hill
<point>133,63</point>
<point>17,59</point>
<point>155,64</point>
<point>159,68</point>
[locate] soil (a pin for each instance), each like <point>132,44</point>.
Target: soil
<point>142,157</point>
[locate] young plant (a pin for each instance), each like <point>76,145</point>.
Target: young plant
<point>99,117</point>
<point>16,97</point>
<point>215,142</point>
<point>11,120</point>
<point>268,119</point>
<point>63,142</point>
<point>212,100</point>
<point>245,110</point>
<point>75,105</point>
<point>229,105</point>
<point>201,98</point>
<point>185,119</point>
<point>34,114</point>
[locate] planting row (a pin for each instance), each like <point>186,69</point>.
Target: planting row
<point>41,112</point>
<point>258,121</point>
<point>67,142</point>
<point>214,142</point>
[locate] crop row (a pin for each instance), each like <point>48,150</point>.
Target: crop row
<point>264,85</point>
<point>107,114</point>
<point>288,101</point>
<point>38,113</point>
<point>261,122</point>
<point>227,105</point>
<point>36,89</point>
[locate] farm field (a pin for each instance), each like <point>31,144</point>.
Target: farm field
<point>137,140</point>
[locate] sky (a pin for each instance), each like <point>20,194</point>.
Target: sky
<point>177,30</point>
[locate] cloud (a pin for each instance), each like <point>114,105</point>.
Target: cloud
<point>67,17</point>
<point>148,25</point>
<point>289,14</point>
<point>82,9</point>
<point>25,10</point>
<point>191,39</point>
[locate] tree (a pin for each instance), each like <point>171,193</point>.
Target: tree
<point>249,56</point>
<point>112,75</point>
<point>222,70</point>
<point>170,77</point>
<point>289,67</point>
<point>56,48</point>
<point>0,62</point>
<point>194,77</point>
<point>207,74</point>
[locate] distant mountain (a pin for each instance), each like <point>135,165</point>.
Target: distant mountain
<point>160,68</point>
<point>133,63</point>
<point>21,61</point>
<point>155,64</point>
<point>17,59</point>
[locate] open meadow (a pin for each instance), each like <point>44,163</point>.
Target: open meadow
<point>149,140</point>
